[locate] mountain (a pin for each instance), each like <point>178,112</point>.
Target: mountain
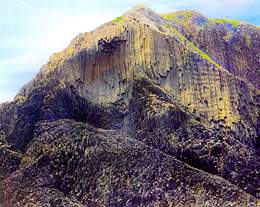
<point>147,110</point>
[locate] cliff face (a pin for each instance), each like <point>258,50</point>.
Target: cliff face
<point>126,113</point>
<point>232,44</point>
<point>104,64</point>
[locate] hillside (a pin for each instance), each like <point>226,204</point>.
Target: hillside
<point>147,110</point>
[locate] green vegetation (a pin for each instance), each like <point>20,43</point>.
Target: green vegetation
<point>178,15</point>
<point>235,23</point>
<point>175,31</point>
<point>169,16</point>
<point>119,19</point>
<point>184,41</point>
<point>182,17</point>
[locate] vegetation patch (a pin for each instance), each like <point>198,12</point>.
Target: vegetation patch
<point>184,41</point>
<point>119,19</point>
<point>169,16</point>
<point>177,15</point>
<point>235,23</point>
<point>183,17</point>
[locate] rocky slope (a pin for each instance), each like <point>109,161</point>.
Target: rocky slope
<point>147,110</point>
<point>232,44</point>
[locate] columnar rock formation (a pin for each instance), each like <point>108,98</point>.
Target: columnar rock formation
<point>126,113</point>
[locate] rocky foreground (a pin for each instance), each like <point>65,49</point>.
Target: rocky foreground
<point>147,110</point>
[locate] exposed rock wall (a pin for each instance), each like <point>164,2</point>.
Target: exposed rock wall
<point>103,64</point>
<point>234,45</point>
<point>135,114</point>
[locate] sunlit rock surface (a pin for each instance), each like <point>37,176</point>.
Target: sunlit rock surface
<point>147,110</point>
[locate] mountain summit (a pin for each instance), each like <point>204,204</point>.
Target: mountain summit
<point>147,110</point>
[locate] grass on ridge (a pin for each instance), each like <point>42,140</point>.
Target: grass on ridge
<point>233,22</point>
<point>119,19</point>
<point>188,14</point>
<point>175,15</point>
<point>192,45</point>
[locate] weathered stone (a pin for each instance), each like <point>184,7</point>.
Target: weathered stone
<point>146,110</point>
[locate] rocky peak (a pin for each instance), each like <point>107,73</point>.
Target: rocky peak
<point>101,66</point>
<point>144,15</point>
<point>135,106</point>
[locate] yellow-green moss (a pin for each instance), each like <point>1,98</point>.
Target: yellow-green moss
<point>119,19</point>
<point>169,16</point>
<point>182,19</point>
<point>184,40</point>
<point>233,22</point>
<point>177,15</point>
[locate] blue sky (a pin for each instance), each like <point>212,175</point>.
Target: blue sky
<point>32,30</point>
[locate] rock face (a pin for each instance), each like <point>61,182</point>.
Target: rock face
<point>147,110</point>
<point>232,44</point>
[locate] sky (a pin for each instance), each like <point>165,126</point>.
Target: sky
<point>32,30</point>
